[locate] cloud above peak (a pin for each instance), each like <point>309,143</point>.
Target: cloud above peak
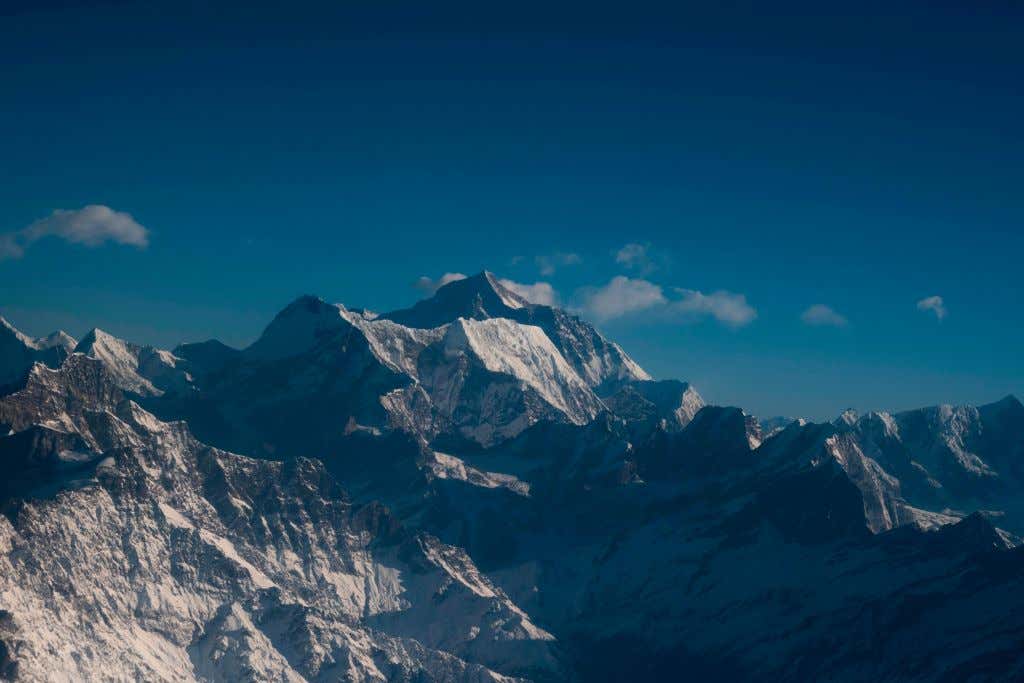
<point>621,296</point>
<point>429,285</point>
<point>90,226</point>
<point>728,308</point>
<point>624,296</point>
<point>820,315</point>
<point>537,293</point>
<point>933,304</point>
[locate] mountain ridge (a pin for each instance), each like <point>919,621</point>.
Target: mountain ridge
<point>502,496</point>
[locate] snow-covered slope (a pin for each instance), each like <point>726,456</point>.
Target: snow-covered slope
<point>55,340</point>
<point>783,583</point>
<point>951,457</point>
<point>165,559</point>
<point>770,426</point>
<point>496,377</point>
<point>599,362</point>
<point>141,370</point>
<point>668,405</point>
<point>524,352</point>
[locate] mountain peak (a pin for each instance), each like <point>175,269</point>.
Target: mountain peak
<point>1009,401</point>
<point>98,337</point>
<point>1008,411</point>
<point>486,286</point>
<point>848,418</point>
<point>477,297</point>
<point>60,338</point>
<point>309,303</point>
<point>297,327</point>
<point>124,361</point>
<point>974,533</point>
<point>601,363</point>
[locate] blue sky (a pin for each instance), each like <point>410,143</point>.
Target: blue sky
<point>862,160</point>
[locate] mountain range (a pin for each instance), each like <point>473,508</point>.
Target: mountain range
<point>479,488</point>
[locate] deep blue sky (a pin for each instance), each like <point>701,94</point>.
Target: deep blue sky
<point>863,158</point>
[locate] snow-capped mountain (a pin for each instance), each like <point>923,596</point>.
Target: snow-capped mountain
<point>482,489</point>
<point>647,404</point>
<point>18,352</point>
<point>141,370</point>
<point>600,363</point>
<point>460,371</point>
<point>954,458</point>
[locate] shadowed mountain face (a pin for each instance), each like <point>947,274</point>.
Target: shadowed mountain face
<point>18,353</point>
<point>959,458</point>
<point>482,489</point>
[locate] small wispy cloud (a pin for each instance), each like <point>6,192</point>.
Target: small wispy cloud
<point>9,247</point>
<point>728,308</point>
<point>621,296</point>
<point>933,304</point>
<point>537,293</point>
<point>431,285</point>
<point>89,226</point>
<point>547,264</point>
<point>820,315</point>
<point>635,256</point>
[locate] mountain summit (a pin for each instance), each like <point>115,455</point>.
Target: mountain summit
<point>602,364</point>
<point>478,297</point>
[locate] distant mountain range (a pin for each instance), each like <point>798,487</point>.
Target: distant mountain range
<point>478,488</point>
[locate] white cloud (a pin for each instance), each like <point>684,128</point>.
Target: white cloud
<point>537,293</point>
<point>935,304</point>
<point>90,226</point>
<point>821,315</point>
<point>726,307</point>
<point>635,256</point>
<point>429,285</point>
<point>622,296</point>
<point>549,263</point>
